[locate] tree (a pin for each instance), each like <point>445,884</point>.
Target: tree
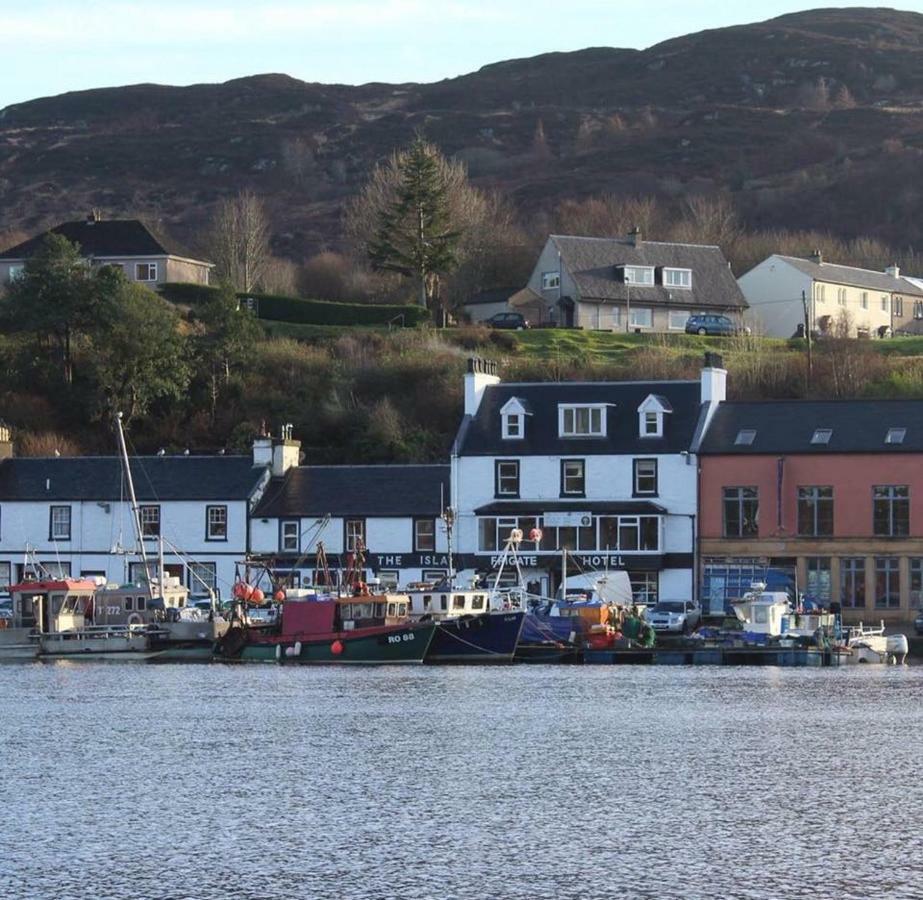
<point>229,332</point>
<point>238,241</point>
<point>141,357</point>
<point>59,297</point>
<point>411,215</point>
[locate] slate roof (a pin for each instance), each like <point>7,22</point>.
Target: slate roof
<point>481,435</point>
<point>862,278</point>
<point>106,237</point>
<point>156,478</point>
<point>362,491</point>
<point>786,426</point>
<point>592,262</point>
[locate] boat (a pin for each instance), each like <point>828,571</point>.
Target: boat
<point>365,629</point>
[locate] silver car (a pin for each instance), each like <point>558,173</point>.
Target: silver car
<point>675,616</point>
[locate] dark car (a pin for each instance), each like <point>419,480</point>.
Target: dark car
<point>512,320</point>
<point>712,324</point>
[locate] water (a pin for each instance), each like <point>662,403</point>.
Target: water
<point>128,781</point>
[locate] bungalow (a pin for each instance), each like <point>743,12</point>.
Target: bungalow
<point>126,243</point>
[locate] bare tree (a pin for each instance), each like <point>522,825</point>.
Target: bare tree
<point>239,241</point>
<point>298,159</point>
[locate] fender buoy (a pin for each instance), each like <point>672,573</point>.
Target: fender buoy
<point>278,596</point>
<point>135,619</point>
<point>336,648</point>
<point>278,652</point>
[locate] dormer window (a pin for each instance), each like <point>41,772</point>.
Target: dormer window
<point>513,419</point>
<point>582,421</point>
<point>822,436</point>
<point>895,435</point>
<point>678,278</point>
<point>638,274</point>
<point>651,416</point>
<point>551,280</point>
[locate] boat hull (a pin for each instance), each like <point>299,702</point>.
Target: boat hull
<point>384,647</point>
<point>487,638</point>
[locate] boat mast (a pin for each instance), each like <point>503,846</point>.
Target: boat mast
<point>135,509</point>
<point>448,517</point>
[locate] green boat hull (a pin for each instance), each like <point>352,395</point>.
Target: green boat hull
<point>404,645</point>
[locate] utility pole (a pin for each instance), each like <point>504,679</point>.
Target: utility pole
<point>807,334</point>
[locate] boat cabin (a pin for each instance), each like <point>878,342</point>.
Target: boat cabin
<point>52,605</point>
<point>327,615</point>
<point>447,604</point>
<point>128,604</point>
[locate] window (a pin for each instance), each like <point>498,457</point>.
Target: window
<point>216,523</point>
<point>898,306</point>
<point>551,280</point>
<point>581,421</point>
<point>677,278</point>
<point>643,587</point>
<point>651,424</point>
<point>815,511</point>
<point>891,504</point>
<point>916,582</point>
<point>617,318</point>
<point>641,317</point>
<point>864,300</point>
<point>745,437</point>
<point>354,535</point>
<point>638,274</point>
<point>841,296</point>
<point>202,576</point>
<point>677,319</point>
<point>818,580</point>
<point>59,528</point>
<point>820,293</point>
<point>573,480</point>
<point>145,271</point>
<point>895,435</point>
<point>645,476</point>
<point>741,511</point>
<point>512,426</point>
<point>821,436</point>
<point>918,309</point>
<point>5,575</point>
<point>150,521</point>
<point>887,582</point>
<point>884,303</point>
<point>289,536</point>
<point>506,478</point>
<point>14,273</point>
<point>388,579</point>
<point>424,535</point>
<point>852,581</point>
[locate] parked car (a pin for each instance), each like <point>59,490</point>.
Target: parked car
<point>516,321</point>
<point>676,616</point>
<point>712,324</point>
<point>918,623</point>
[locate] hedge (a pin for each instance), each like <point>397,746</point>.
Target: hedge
<point>276,308</point>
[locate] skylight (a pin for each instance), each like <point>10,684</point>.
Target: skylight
<point>822,436</point>
<point>745,437</point>
<point>895,435</point>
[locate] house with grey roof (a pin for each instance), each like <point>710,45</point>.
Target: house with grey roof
<point>124,243</point>
<point>628,284</point>
<point>386,519</point>
<point>785,292</point>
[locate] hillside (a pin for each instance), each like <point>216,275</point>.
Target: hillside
<point>811,120</point>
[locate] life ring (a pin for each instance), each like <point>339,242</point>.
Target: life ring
<point>135,619</point>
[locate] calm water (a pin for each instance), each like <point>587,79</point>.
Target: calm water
<point>124,780</point>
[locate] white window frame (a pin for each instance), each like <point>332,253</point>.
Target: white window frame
<point>513,419</point>
<point>551,281</point>
<point>678,312</point>
<point>570,411</point>
<point>213,521</point>
<point>651,417</point>
<point>352,534</point>
<point>286,536</point>
<point>646,273</point>
<point>577,473</point>
<point>147,518</point>
<point>820,293</point>
<point>864,299</point>
<point>389,580</point>
<point>635,310</point>
<point>6,575</point>
<point>884,302</point>
<point>841,296</point>
<point>207,571</point>
<point>151,268</point>
<point>651,466</point>
<point>499,476</point>
<point>431,523</point>
<point>59,523</point>
<point>684,284</point>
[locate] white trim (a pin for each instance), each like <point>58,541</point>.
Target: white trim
<point>678,270</point>
<point>563,408</point>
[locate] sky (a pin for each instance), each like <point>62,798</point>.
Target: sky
<point>49,47</point>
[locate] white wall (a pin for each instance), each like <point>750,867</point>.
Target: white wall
<point>550,261</point>
<point>773,290</point>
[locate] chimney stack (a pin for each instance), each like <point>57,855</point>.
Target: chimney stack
<point>6,441</point>
<point>714,379</point>
<point>481,374</point>
<point>286,451</point>
<point>634,237</point>
<point>817,257</point>
<point>893,270</point>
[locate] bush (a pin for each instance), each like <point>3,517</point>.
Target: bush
<point>277,308</point>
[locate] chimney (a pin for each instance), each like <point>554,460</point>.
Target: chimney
<point>286,452</point>
<point>893,270</point>
<point>817,257</point>
<point>634,237</point>
<point>714,380</point>
<point>94,217</point>
<point>262,451</point>
<point>481,374</point>
<point>6,441</point>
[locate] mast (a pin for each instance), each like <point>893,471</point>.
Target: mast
<point>135,509</point>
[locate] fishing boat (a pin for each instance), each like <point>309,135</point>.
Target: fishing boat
<point>317,628</point>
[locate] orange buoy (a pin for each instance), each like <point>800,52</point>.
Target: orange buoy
<point>278,596</point>
<point>336,648</point>
<point>257,596</point>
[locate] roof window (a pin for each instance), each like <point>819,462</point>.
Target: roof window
<point>895,435</point>
<point>745,437</point>
<point>822,436</point>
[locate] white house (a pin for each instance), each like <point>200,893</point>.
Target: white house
<point>606,470</point>
<point>391,513</point>
<point>783,290</point>
<point>72,514</point>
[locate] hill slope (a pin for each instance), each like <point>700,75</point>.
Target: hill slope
<point>811,120</point>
